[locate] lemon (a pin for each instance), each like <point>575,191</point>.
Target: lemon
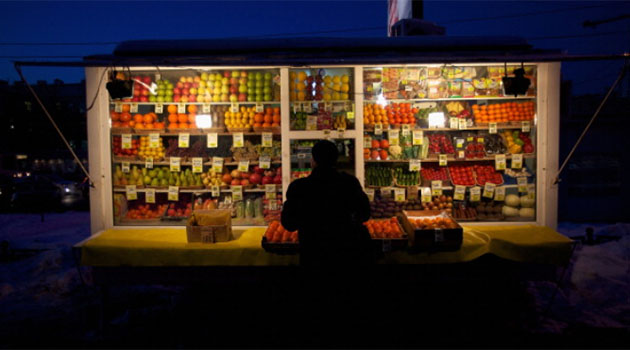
<point>336,79</point>
<point>301,95</point>
<point>345,79</point>
<point>301,76</point>
<point>345,88</point>
<point>336,96</point>
<point>292,95</point>
<point>327,79</point>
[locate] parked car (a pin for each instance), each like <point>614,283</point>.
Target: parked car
<point>73,194</point>
<point>35,193</point>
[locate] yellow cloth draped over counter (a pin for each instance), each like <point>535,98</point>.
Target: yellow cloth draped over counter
<point>168,247</point>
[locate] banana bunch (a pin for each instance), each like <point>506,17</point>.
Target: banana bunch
<point>454,108</point>
<point>340,122</point>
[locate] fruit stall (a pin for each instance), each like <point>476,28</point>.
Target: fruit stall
<point>426,125</point>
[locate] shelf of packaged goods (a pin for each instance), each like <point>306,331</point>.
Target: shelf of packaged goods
<point>200,190</point>
<point>447,188</point>
<point>194,103</point>
<point>419,100</point>
<point>449,158</point>
<point>514,125</point>
<point>167,163</point>
<point>197,132</point>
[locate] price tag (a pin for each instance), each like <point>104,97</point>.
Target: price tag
<point>480,140</point>
<point>415,165</point>
<point>307,107</point>
<point>213,140</point>
<point>117,107</point>
<point>159,109</point>
<point>238,139</point>
<point>499,194</point>
<point>436,187</point>
<point>350,115</point>
<point>197,165</point>
<point>399,194</point>
<point>125,167</point>
<point>408,88</point>
<point>126,141</point>
<point>393,136</point>
<point>270,191</point>
<point>133,108</point>
<point>216,191</point>
<point>459,142</point>
<point>461,154</point>
<point>453,122</point>
<point>526,126</point>
<point>301,155</point>
<point>175,163</point>
<point>492,128</point>
<point>130,191</point>
<point>475,194</point>
<point>154,140</point>
<point>267,139</point>
<point>367,142</point>
<point>370,194</point>
<point>149,195</point>
<point>243,166</point>
<point>311,122</point>
<point>264,162</point>
<point>499,162</point>
<point>173,193</point>
<point>378,129</point>
<point>412,192</point>
<point>234,107</point>
<point>181,108</point>
<point>386,191</point>
<point>531,191</point>
<point>462,124</point>
<point>405,130</point>
<point>327,134</point>
<point>148,162</point>
<point>418,137</point>
<point>237,193</point>
<point>205,108</point>
<point>460,192</point>
<point>425,195</point>
<point>259,107</point>
<point>184,140</point>
<point>521,184</point>
<point>517,161</point>
<point>273,205</point>
<point>488,190</point>
<point>443,160</point>
<point>328,107</point>
<point>296,107</point>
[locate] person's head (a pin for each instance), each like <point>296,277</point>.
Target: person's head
<point>325,154</point>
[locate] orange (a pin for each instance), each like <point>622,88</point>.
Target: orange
<point>268,110</point>
<point>257,125</point>
<point>132,123</point>
<point>172,118</point>
<point>276,110</point>
<point>266,125</point>
<point>173,126</point>
<point>268,118</point>
<point>148,118</point>
<point>149,126</point>
<point>182,118</point>
<point>192,118</point>
<point>116,124</point>
<point>275,125</point>
<point>126,108</point>
<point>276,118</point>
<point>115,116</point>
<point>192,109</point>
<point>137,118</point>
<point>125,117</point>
<point>258,118</point>
<point>172,109</point>
<point>138,126</point>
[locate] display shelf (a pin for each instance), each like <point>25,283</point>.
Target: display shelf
<point>447,188</point>
<point>166,163</point>
<point>198,132</point>
<point>516,125</point>
<point>194,103</point>
<point>449,158</point>
<point>418,100</point>
<point>201,190</point>
<point>322,101</point>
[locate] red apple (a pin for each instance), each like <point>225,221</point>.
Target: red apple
<point>144,99</point>
<point>179,85</point>
<point>177,91</point>
<point>185,91</point>
<point>277,180</point>
<point>227,74</point>
<point>192,98</point>
<point>146,80</point>
<point>235,182</point>
<point>242,97</point>
<point>266,180</point>
<point>259,170</point>
<point>245,175</point>
<point>255,178</point>
<point>176,98</point>
<point>170,212</point>
<point>244,182</point>
<point>187,85</point>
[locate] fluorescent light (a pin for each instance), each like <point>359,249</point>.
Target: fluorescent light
<point>381,100</point>
<point>203,121</point>
<point>437,120</point>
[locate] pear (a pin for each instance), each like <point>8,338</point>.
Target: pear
<point>163,182</point>
<point>145,171</point>
<point>155,182</point>
<point>171,181</point>
<point>139,182</point>
<point>147,180</point>
<point>160,175</point>
<point>184,183</point>
<point>153,173</point>
<point>178,183</point>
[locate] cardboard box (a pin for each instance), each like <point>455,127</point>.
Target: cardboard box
<point>209,226</point>
<point>431,240</point>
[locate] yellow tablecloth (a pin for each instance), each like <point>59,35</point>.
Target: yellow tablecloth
<point>168,247</point>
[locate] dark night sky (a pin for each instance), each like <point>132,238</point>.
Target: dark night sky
<point>36,22</point>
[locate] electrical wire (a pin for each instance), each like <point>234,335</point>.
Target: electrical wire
<point>58,44</point>
<point>578,35</point>
<point>98,88</point>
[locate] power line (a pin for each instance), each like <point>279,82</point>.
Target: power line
<point>346,30</point>
<point>41,56</point>
<point>577,35</point>
<point>58,44</point>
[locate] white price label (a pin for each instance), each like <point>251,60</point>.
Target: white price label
<point>425,195</point>
<point>405,131</point>
<point>499,194</point>
<point>370,194</point>
<point>259,107</point>
<point>264,162</point>
<point>126,141</point>
<point>387,191</point>
<point>418,136</point>
<point>521,182</point>
<point>492,128</point>
<point>149,195</point>
<point>526,126</point>
<point>148,162</point>
<point>453,122</point>
<point>367,142</point>
<point>234,108</point>
<point>130,191</point>
<point>499,162</point>
<point>118,107</point>
<point>307,107</point>
<point>328,107</point>
<point>415,165</point>
<point>243,166</point>
<point>133,108</point>
<point>181,108</point>
<point>173,193</point>
<point>238,139</point>
<point>159,109</point>
<point>488,190</point>
<point>213,140</point>
<point>197,165</point>
<point>270,191</point>
<point>154,140</point>
<point>267,139</point>
<point>475,194</point>
<point>393,136</point>
<point>311,122</point>
<point>460,192</point>
<point>412,192</point>
<point>297,107</point>
<point>378,129</point>
<point>462,124</point>
<point>436,187</point>
<point>183,140</point>
<point>517,161</point>
<point>399,194</point>
<point>216,191</point>
<point>442,159</point>
<point>175,163</point>
<point>237,193</point>
<point>125,167</point>
<point>531,191</point>
<point>217,164</point>
<point>205,108</point>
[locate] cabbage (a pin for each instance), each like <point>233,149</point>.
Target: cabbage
<point>509,211</point>
<point>526,202</point>
<point>527,213</point>
<point>512,200</point>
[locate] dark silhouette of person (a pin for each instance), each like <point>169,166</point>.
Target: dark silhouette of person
<point>328,209</point>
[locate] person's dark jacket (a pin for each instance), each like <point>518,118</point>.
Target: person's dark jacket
<point>328,209</point>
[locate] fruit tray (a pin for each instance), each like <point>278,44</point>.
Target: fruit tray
<point>480,184</point>
<point>450,177</point>
<point>280,248</point>
<point>426,180</point>
<point>148,131</point>
<point>384,244</point>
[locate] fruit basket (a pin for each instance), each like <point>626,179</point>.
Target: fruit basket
<point>487,173</point>
<point>387,234</point>
<point>280,241</point>
<point>122,130</point>
<point>432,231</point>
<point>461,175</point>
<point>463,213</point>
